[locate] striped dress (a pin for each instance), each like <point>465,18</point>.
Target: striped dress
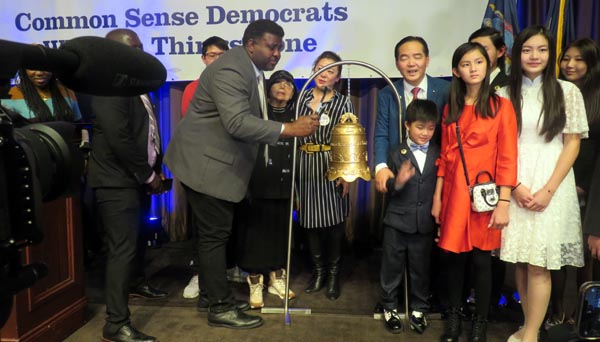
<point>320,205</point>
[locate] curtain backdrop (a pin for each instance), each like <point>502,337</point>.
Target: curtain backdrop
<point>587,13</point>
<point>365,216</point>
<point>364,222</point>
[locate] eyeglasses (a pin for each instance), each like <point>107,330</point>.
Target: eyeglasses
<point>285,84</point>
<point>214,54</point>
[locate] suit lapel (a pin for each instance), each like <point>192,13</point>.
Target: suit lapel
<point>500,81</point>
<point>402,98</point>
<point>432,152</point>
<point>409,155</point>
<point>432,92</point>
<point>251,74</point>
<point>400,127</point>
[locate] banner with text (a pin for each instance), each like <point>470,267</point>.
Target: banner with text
<point>173,30</point>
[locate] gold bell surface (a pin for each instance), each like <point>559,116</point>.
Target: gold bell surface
<point>348,156</point>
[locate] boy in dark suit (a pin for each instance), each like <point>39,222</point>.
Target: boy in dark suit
<point>408,223</point>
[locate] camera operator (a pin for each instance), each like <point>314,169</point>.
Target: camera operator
<point>125,168</point>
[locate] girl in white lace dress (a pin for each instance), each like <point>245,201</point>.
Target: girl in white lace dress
<point>545,229</point>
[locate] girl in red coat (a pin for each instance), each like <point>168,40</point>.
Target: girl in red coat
<point>488,132</point>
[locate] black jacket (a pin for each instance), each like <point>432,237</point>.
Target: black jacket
<point>119,156</point>
<point>409,209</point>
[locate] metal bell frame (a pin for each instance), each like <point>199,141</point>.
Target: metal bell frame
<point>286,309</point>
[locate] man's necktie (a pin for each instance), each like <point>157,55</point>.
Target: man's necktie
<point>423,148</point>
<point>261,93</point>
<point>152,125</point>
<point>263,107</point>
<point>415,93</point>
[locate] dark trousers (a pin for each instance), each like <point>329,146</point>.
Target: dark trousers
<point>122,212</point>
<point>401,250</point>
<point>326,243</point>
<point>456,264</point>
<point>213,219</point>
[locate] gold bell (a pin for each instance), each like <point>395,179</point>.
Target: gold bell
<point>348,156</point>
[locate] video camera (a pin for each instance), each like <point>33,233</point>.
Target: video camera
<point>40,162</point>
<point>587,317</point>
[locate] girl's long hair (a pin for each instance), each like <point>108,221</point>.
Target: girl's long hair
<point>553,107</point>
<point>487,102</point>
<point>590,84</point>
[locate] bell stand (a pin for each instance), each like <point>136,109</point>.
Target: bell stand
<point>307,311</point>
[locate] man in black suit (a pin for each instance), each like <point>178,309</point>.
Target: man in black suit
<point>124,169</point>
<point>214,149</point>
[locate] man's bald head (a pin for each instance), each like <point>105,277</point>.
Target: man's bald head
<point>125,36</point>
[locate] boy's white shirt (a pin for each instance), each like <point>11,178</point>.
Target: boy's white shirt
<point>420,156</point>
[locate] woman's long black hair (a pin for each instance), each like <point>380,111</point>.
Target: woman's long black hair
<point>62,110</point>
<point>590,84</point>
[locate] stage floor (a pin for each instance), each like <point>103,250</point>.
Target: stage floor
<point>350,318</point>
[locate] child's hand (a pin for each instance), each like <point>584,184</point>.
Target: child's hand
<point>522,195</point>
<point>436,209</point>
<point>500,216</point>
<point>344,185</point>
<point>407,170</point>
<point>540,200</point>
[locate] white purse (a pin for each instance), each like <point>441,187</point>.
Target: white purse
<point>484,196</point>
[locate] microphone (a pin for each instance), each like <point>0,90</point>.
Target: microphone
<point>325,90</point>
<point>92,65</point>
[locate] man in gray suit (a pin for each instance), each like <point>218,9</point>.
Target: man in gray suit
<point>214,149</point>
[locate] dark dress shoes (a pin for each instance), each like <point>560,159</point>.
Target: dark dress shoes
<point>146,291</point>
<point>453,326</point>
<point>418,324</point>
<point>202,305</point>
<point>127,333</point>
<point>479,330</point>
<point>393,323</point>
<point>233,319</point>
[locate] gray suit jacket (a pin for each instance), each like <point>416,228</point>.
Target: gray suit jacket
<point>215,146</point>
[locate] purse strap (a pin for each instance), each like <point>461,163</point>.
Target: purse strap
<point>484,172</point>
<point>462,156</point>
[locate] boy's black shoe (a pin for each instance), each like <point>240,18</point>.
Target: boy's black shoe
<point>418,324</point>
<point>393,323</point>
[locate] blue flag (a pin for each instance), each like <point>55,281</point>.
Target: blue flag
<point>502,15</point>
<point>563,28</point>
